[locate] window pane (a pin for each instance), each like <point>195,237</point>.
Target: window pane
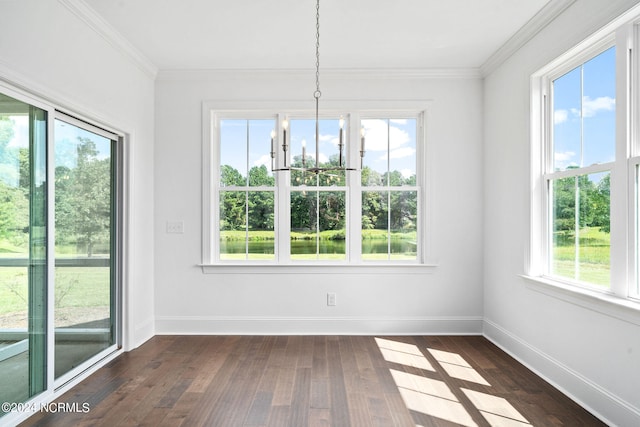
<point>598,108</point>
<point>584,114</point>
<point>261,235</point>
<point>332,226</point>
<point>581,227</point>
<point>404,223</point>
<point>375,225</point>
<point>304,225</point>
<point>259,153</point>
<point>390,158</point>
<point>374,163</point>
<point>567,134</point>
<point>233,225</point>
<point>233,152</point>
<point>402,151</point>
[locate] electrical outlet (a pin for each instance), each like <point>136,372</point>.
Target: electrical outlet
<point>175,227</point>
<point>331,299</point>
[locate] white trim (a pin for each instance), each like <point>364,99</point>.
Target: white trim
<point>248,267</point>
<point>354,110</point>
<point>621,34</point>
<point>539,21</point>
<point>603,404</point>
<point>272,325</point>
<point>601,302</point>
<point>329,74</point>
<point>94,21</point>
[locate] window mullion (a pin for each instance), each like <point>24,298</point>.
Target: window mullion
<point>354,192</point>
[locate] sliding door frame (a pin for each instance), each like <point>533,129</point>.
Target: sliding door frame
<point>53,387</point>
<point>116,242</point>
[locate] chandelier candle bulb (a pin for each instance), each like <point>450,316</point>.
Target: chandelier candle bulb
<point>285,125</point>
<point>340,143</point>
<point>273,148</point>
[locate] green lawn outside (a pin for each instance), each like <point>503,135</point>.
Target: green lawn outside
<point>75,287</point>
<point>594,257</point>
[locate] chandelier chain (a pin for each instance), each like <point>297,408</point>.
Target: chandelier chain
<point>317,169</point>
<point>317,93</point>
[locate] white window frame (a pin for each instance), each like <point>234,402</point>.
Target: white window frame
<point>619,300</point>
<point>212,111</point>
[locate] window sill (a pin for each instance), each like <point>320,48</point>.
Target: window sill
<point>604,303</point>
<point>327,268</point>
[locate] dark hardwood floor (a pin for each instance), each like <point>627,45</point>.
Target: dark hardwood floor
<point>316,381</point>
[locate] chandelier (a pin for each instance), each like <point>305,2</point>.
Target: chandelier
<point>315,168</point>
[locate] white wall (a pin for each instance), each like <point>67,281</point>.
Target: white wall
<point>592,356</point>
<point>46,48</point>
<point>447,301</point>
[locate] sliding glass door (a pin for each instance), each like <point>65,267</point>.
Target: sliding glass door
<point>60,243</point>
<point>85,249</point>
<point>23,249</point>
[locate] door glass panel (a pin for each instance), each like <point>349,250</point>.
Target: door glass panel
<point>23,261</point>
<point>84,249</point>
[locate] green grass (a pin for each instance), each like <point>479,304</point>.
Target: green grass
<point>382,235</point>
<point>9,250</point>
<point>240,235</point>
<point>594,257</point>
<point>259,235</point>
<point>75,287</point>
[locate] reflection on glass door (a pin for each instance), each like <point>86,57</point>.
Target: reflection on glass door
<point>85,200</point>
<point>23,254</point>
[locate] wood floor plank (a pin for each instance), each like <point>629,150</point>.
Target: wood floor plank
<point>316,381</point>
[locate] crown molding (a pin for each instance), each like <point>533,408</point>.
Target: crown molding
<point>539,21</point>
<point>94,21</point>
<point>333,74</point>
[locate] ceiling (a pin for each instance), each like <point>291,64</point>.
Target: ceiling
<point>280,34</point>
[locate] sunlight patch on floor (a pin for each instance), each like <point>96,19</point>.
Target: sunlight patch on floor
<point>496,410</point>
<point>455,366</point>
<point>431,397</point>
<point>403,354</point>
<point>435,398</point>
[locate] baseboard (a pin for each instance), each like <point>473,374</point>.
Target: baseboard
<point>601,403</point>
<point>141,334</point>
<point>221,325</point>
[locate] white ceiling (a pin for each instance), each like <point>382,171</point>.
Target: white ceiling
<point>280,34</point>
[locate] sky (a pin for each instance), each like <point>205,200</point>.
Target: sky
<point>389,143</point>
<point>584,113</point>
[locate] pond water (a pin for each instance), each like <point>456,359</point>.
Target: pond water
<point>398,246</point>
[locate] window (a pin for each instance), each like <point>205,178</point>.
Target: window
<point>585,167</point>
<point>246,195</point>
<point>369,215</point>
<point>582,151</point>
<point>389,191</point>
